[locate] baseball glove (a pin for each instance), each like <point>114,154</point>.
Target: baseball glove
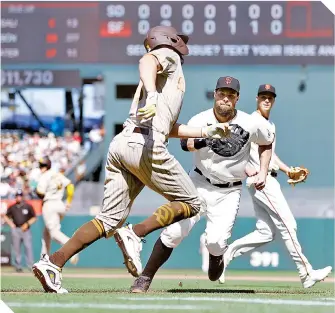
<point>230,145</point>
<point>297,175</point>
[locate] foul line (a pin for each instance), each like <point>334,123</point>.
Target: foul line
<point>236,300</point>
<point>104,306</point>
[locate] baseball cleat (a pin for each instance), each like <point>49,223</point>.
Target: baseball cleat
<point>215,268</point>
<point>316,276</point>
<point>141,284</point>
<point>49,275</point>
<point>131,246</point>
<point>75,259</point>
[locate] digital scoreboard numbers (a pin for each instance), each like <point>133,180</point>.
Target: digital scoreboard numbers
<point>225,32</point>
<point>49,32</point>
<point>240,32</point>
<point>40,78</point>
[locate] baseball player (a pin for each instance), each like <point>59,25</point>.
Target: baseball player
<point>138,157</point>
<point>219,168</point>
<point>51,187</point>
<point>271,209</point>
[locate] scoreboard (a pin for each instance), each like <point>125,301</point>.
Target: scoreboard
<point>224,32</point>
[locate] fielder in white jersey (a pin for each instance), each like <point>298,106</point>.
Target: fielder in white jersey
<point>138,157</point>
<point>51,188</point>
<point>219,168</point>
<point>271,208</point>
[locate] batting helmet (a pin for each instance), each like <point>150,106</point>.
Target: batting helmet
<point>45,162</point>
<point>166,35</point>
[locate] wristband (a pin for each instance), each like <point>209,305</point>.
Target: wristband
<point>199,143</point>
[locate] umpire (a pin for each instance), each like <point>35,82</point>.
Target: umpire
<point>20,216</point>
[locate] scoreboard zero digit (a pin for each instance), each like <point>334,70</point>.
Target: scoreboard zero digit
<point>221,32</point>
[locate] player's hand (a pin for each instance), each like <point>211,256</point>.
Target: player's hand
<point>260,180</point>
<point>250,171</point>
<point>25,227</point>
<point>216,131</point>
<point>149,110</point>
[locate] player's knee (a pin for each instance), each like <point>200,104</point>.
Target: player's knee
<point>54,234</point>
<point>216,245</point>
<point>267,234</point>
<point>170,240</point>
<point>173,235</point>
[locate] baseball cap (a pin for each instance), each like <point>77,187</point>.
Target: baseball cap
<point>228,82</point>
<point>19,192</point>
<point>267,88</point>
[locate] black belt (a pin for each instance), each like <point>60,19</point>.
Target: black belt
<point>273,174</point>
<point>226,185</point>
<point>140,130</point>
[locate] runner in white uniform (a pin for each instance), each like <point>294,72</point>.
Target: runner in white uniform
<point>51,188</point>
<point>271,209</point>
<point>218,173</point>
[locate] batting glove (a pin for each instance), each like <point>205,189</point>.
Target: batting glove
<point>149,110</point>
<point>216,131</point>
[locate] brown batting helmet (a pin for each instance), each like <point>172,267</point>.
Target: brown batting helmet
<point>166,35</point>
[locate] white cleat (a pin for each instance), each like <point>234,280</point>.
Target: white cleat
<point>316,276</point>
<point>49,275</point>
<point>75,259</point>
<point>131,246</point>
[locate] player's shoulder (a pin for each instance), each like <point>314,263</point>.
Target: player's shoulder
<point>165,53</point>
<point>242,114</point>
<point>201,117</point>
<point>258,118</point>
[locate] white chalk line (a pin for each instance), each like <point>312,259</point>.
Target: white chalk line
<point>235,300</point>
<point>107,306</point>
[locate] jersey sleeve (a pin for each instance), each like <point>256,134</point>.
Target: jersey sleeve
<point>65,181</point>
<point>196,121</point>
<point>167,58</point>
<point>264,134</point>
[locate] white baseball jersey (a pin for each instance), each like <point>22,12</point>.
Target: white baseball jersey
<point>254,156</point>
<point>170,85</point>
<point>246,129</point>
<point>52,184</point>
<point>222,204</point>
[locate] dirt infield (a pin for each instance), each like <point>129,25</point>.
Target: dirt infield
<point>173,276</point>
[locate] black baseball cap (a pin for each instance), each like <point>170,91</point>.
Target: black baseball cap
<point>267,88</point>
<point>19,192</point>
<point>228,82</point>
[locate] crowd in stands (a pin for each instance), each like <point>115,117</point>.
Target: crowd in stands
<point>20,154</point>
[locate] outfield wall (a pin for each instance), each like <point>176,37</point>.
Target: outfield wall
<point>316,237</point>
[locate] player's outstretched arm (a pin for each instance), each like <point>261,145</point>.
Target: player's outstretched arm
<point>282,166</point>
<point>214,131</point>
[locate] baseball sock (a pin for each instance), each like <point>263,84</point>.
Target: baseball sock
<point>160,254</point>
<point>82,238</point>
<point>165,215</point>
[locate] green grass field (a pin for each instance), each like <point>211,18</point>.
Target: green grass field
<point>106,290</point>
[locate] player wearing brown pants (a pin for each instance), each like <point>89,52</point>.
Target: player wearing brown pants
<point>137,157</point>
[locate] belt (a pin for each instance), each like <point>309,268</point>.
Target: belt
<point>140,130</point>
<point>226,185</point>
<point>273,174</point>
